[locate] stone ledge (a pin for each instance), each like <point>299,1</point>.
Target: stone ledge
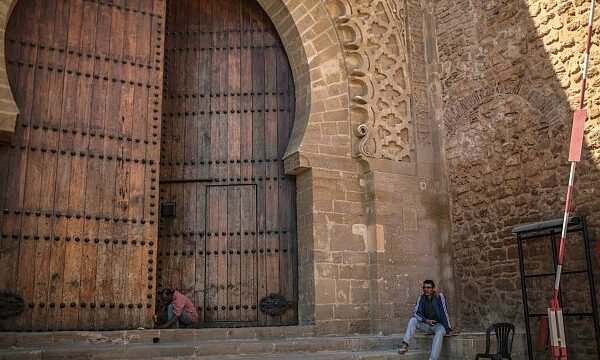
<point>468,344</point>
<point>202,348</point>
<point>337,355</point>
<point>7,127</point>
<point>123,337</point>
<point>219,343</point>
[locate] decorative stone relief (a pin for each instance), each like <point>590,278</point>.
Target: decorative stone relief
<point>374,40</point>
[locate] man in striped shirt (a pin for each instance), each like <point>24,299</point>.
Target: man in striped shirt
<point>431,317</point>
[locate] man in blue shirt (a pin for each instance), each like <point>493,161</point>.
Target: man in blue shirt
<point>431,317</point>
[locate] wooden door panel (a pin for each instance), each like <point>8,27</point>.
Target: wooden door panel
<point>228,101</point>
<point>248,262</point>
<point>79,202</point>
<point>225,282</point>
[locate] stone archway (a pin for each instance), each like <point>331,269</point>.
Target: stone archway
<point>309,38</point>
<point>8,107</point>
<point>316,57</point>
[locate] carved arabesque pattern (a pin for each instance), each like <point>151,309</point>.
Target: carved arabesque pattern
<point>374,39</point>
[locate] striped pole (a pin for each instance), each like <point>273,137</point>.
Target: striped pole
<point>557,338</point>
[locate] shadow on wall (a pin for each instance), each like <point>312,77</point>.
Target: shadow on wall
<point>511,78</point>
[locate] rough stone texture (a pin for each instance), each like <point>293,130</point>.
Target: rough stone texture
<point>510,72</point>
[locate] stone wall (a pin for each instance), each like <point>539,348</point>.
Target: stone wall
<point>8,108</point>
<point>380,226</point>
<point>510,73</point>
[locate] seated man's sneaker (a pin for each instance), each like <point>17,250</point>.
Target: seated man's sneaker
<point>403,349</point>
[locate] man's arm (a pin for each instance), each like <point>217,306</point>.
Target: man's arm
<point>416,314</point>
<point>445,314</point>
<point>170,323</point>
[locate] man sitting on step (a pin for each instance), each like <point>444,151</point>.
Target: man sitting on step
<point>431,317</point>
<point>180,310</point>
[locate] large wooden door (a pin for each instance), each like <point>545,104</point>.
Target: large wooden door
<point>227,119</point>
<point>78,183</point>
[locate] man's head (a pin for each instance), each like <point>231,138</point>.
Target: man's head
<point>166,295</point>
<point>428,287</point>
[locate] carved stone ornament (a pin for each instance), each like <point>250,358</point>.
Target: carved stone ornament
<point>374,40</point>
<point>275,304</point>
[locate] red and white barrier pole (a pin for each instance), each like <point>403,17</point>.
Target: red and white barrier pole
<point>558,344</point>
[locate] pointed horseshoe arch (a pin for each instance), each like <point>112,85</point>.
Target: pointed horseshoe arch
<point>228,109</point>
<point>63,216</point>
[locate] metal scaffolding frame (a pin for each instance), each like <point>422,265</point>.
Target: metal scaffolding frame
<point>552,230</point>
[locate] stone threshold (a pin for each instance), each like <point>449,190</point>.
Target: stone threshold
<point>289,342</point>
<point>325,355</point>
<point>24,339</point>
<point>257,343</point>
<point>209,348</point>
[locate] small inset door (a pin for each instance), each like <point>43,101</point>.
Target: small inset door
<point>231,278</point>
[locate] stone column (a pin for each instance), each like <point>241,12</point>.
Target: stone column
<point>8,107</point>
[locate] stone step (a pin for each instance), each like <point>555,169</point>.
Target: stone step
<point>325,355</point>
<point>203,348</point>
<point>24,339</point>
<point>293,343</point>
